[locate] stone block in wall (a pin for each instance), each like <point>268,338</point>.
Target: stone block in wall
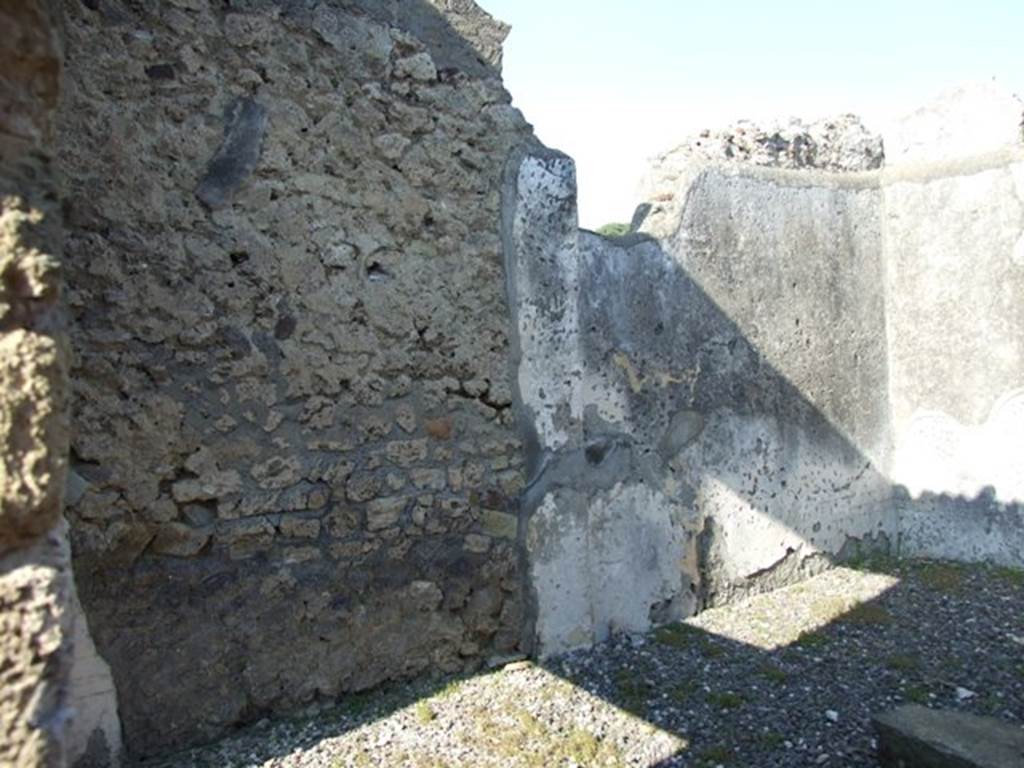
<point>33,375</point>
<point>35,630</point>
<point>914,736</point>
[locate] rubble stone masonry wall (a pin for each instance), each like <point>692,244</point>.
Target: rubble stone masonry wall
<point>354,400</point>
<point>294,463</point>
<point>35,570</point>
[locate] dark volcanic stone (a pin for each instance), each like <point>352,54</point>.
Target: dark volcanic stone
<point>245,124</point>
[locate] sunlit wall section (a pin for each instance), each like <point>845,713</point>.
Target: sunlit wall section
<point>954,232</point>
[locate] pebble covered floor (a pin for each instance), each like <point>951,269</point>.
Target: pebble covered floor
<point>789,678</point>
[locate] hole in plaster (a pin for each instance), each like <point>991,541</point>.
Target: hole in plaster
<point>376,273</point>
<point>595,453</point>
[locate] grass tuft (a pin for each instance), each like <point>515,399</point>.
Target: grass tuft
<point>715,755</point>
<point>811,640</point>
<point>710,649</point>
<point>875,562</point>
<point>615,229</point>
<point>633,691</point>
<point>867,614</point>
<point>681,693</point>
<point>771,740</point>
<point>582,747</point>
<point>1012,576</point>
<point>773,673</point>
<point>424,713</point>
<point>942,576</point>
<point>916,694</point>
<point>675,635</point>
<point>450,688</point>
<point>356,704</point>
<point>902,662</point>
<point>725,700</point>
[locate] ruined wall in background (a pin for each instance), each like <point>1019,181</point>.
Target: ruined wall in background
<point>35,572</point>
<point>954,253</point>
<point>706,398</point>
<point>780,335</point>
<point>798,355</point>
<point>294,465</point>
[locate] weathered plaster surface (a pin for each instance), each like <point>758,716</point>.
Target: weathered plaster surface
<point>731,377</point>
<point>954,278</point>
<point>727,385</point>
<point>94,733</point>
<point>795,443</point>
<point>606,532</point>
<point>544,277</point>
<point>791,355</point>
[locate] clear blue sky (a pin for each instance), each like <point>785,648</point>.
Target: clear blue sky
<point>613,83</point>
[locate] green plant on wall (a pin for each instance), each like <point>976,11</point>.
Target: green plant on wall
<point>613,230</point>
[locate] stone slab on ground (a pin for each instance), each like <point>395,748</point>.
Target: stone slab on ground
<point>913,736</point>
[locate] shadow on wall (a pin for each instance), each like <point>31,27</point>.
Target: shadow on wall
<point>652,410</point>
<point>723,406</point>
<point>813,460</point>
<point>786,676</point>
<point>775,470</point>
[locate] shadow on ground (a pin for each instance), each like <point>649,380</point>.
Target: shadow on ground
<point>788,678</point>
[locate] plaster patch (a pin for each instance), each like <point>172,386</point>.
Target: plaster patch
<point>606,562</point>
<point>623,362</point>
<point>93,698</point>
<point>937,454</point>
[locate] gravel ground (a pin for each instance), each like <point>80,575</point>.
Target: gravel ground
<point>789,678</point>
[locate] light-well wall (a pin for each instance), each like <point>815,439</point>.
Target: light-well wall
<point>954,254</point>
<point>801,354</point>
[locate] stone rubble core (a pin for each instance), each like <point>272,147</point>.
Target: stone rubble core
<point>355,400</point>
<point>35,570</point>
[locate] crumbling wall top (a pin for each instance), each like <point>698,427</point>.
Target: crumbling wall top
<point>842,143</point>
